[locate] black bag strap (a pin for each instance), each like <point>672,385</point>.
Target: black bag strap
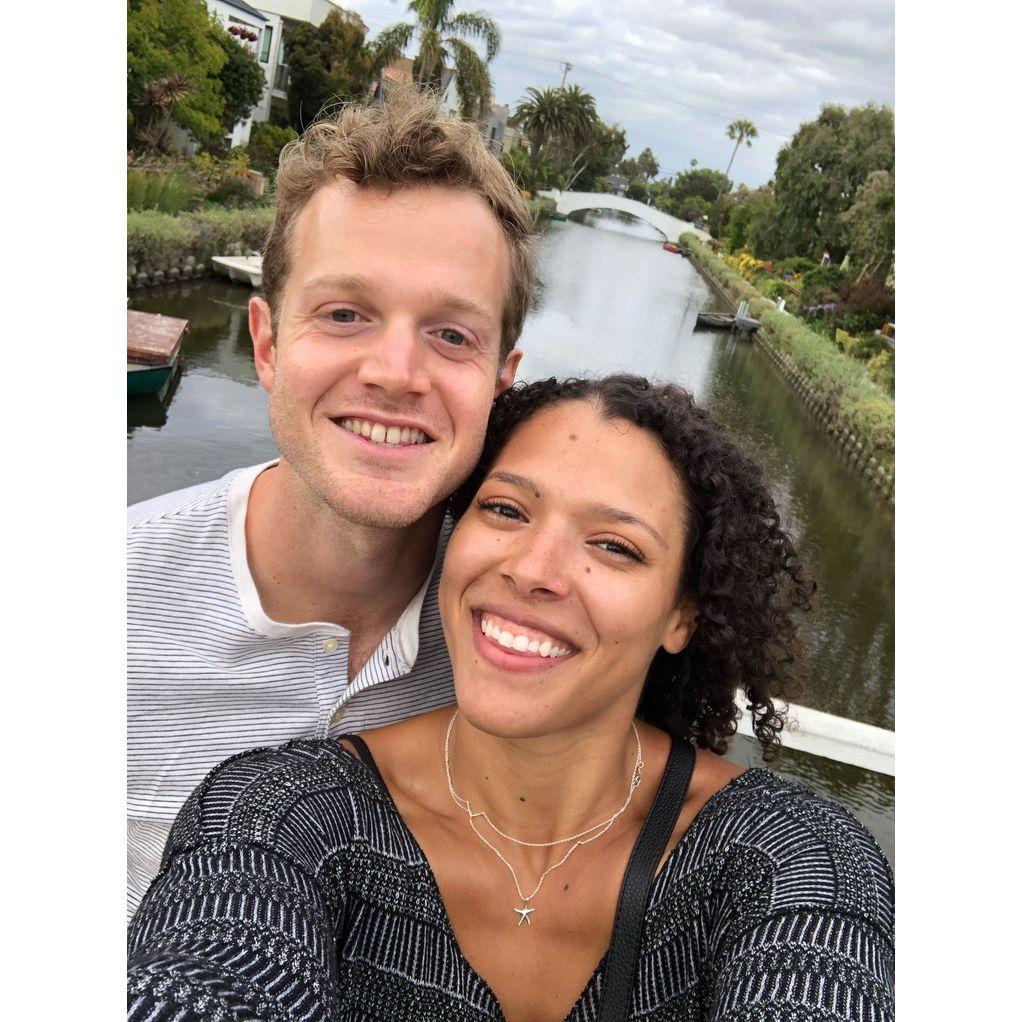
<point>626,937</point>
<point>366,756</point>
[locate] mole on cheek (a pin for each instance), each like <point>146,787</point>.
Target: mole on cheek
<point>588,570</point>
<point>571,436</point>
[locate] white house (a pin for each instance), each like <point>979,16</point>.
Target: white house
<point>248,27</point>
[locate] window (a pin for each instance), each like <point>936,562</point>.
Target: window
<point>264,53</point>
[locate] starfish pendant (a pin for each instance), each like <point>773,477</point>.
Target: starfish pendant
<point>525,912</point>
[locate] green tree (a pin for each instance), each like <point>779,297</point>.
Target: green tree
<point>241,81</point>
<point>702,181</point>
<point>606,145</point>
<point>563,116</point>
<point>741,131</point>
<point>442,42</point>
<point>327,64</point>
<point>819,172</point>
<point>174,64</point>
<point>648,165</point>
<point>265,144</point>
<point>869,225</point>
<point>630,169</point>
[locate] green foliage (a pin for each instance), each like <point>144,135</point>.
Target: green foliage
<point>232,192</point>
<point>168,192</point>
<point>774,288</point>
<point>637,190</point>
<point>442,43</point>
<point>327,65</point>
<point>174,65</point>
<point>842,382</point>
<point>566,118</point>
<point>741,131</point>
<point>864,304</point>
<point>869,224</point>
<point>158,239</point>
<point>648,165</point>
<point>866,347</point>
<point>881,370</point>
<point>265,144</point>
<point>820,171</point>
<point>794,264</point>
<point>701,181</point>
<point>241,81</point>
<point>606,145</point>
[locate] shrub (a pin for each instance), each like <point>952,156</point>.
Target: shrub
<point>881,370</point>
<point>865,348</point>
<point>864,305</point>
<point>265,144</point>
<point>168,192</point>
<point>824,278</point>
<point>795,265</point>
<point>774,288</point>
<point>157,239</point>
<point>232,192</point>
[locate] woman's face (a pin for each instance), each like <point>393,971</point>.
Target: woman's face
<point>560,582</point>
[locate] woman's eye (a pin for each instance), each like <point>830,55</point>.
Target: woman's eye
<point>501,510</point>
<point>343,315</point>
<point>619,549</point>
<point>452,336</point>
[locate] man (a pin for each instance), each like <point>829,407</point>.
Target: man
<point>298,599</point>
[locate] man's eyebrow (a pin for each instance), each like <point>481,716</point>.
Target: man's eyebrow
<point>606,511</point>
<point>346,281</point>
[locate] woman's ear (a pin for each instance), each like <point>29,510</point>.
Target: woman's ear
<point>681,626</point>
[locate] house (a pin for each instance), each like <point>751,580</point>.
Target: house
<point>279,16</point>
<point>618,184</point>
<point>499,135</point>
<point>248,26</point>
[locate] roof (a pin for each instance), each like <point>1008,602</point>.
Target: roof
<point>246,8</point>
<point>399,71</point>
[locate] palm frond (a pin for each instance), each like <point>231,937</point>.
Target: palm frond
<point>472,77</point>
<point>476,25</point>
<point>389,44</point>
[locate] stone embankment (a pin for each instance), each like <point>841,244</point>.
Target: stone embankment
<point>837,394</point>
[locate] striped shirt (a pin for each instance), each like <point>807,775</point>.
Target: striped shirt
<point>210,675</point>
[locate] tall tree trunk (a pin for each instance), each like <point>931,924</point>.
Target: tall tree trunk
<point>727,173</point>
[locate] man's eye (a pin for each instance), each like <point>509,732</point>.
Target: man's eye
<point>343,315</point>
<point>452,336</point>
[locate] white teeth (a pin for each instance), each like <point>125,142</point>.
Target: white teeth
<point>521,643</point>
<point>392,436</point>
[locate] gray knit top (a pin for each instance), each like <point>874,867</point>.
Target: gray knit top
<point>292,889</point>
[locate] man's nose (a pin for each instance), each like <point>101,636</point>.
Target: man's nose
<point>396,361</point>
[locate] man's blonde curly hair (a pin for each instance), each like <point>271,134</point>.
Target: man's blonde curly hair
<point>403,141</point>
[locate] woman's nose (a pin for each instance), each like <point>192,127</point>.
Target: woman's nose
<point>538,564</point>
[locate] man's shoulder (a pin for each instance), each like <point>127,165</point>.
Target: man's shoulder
<point>169,506</point>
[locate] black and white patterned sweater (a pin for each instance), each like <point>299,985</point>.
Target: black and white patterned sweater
<point>292,889</point>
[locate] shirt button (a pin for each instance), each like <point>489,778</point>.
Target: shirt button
<point>330,646</point>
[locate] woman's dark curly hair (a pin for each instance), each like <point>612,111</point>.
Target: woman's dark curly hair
<point>740,568</point>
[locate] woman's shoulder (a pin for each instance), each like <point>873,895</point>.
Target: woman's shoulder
<point>251,797</point>
<point>766,833</point>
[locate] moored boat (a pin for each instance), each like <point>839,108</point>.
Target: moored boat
<point>669,246</point>
<point>154,343</point>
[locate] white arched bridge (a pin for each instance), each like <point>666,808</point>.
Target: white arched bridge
<point>669,226</point>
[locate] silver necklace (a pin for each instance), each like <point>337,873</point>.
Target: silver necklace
<point>581,838</point>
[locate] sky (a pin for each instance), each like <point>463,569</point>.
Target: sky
<point>675,73</point>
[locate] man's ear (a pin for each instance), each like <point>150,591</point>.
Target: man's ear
<point>680,627</point>
<point>260,326</point>
<point>506,376</point>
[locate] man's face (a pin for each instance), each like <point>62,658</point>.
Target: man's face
<point>385,363</point>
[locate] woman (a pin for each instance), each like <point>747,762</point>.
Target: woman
<point>617,571</point>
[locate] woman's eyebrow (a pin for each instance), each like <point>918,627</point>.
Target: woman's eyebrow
<point>606,511</point>
<point>615,514</point>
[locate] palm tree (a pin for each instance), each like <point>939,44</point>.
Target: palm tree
<point>567,115</point>
<point>741,131</point>
<point>442,37</point>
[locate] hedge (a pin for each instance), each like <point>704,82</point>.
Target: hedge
<point>842,382</point>
<point>159,240</point>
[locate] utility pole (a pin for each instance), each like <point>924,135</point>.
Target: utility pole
<point>567,67</point>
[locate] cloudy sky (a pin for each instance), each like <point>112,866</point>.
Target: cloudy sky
<point>675,73</point>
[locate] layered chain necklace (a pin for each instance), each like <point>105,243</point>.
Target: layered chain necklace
<point>583,837</point>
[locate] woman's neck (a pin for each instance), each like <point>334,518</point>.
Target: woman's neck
<point>542,789</point>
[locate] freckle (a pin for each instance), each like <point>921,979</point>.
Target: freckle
<point>571,436</point>
<point>588,570</point>
<point>521,798</point>
<point>566,886</point>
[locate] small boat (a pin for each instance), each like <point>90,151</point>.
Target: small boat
<point>726,321</point>
<point>669,246</point>
<point>555,215</point>
<point>154,343</point>
<point>243,269</point>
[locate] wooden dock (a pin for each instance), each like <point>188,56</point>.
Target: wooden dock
<point>153,339</point>
<point>243,269</point>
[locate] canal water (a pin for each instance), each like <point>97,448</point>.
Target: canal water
<point>610,300</point>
